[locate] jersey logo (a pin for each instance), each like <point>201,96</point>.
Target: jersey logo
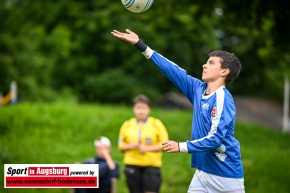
<point>213,112</point>
<point>205,106</point>
<point>148,140</point>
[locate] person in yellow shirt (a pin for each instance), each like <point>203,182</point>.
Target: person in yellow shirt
<point>140,139</point>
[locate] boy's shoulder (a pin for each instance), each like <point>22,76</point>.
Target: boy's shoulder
<point>89,161</point>
<point>228,94</point>
<point>153,120</point>
<point>131,120</point>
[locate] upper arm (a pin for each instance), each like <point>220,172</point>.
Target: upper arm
<point>115,172</point>
<point>162,132</point>
<point>122,134</point>
<point>184,82</point>
<point>103,169</point>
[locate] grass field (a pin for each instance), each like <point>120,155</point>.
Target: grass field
<point>64,132</point>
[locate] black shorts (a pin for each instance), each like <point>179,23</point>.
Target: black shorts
<point>143,179</point>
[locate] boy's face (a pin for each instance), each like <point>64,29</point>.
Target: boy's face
<point>212,70</point>
<point>101,149</point>
<point>141,110</point>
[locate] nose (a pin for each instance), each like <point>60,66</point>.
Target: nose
<point>204,66</point>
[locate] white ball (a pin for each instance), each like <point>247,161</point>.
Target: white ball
<point>137,6</point>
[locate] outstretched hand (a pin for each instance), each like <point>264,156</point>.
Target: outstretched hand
<point>129,37</point>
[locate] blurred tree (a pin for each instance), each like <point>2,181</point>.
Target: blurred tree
<point>259,32</point>
<point>49,46</point>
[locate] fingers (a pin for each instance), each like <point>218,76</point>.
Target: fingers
<point>117,34</point>
<point>141,148</point>
<point>164,142</point>
<point>170,146</point>
<point>128,36</point>
<point>134,145</point>
<point>121,34</point>
<point>105,153</point>
<point>115,31</point>
<point>166,145</point>
<point>129,31</point>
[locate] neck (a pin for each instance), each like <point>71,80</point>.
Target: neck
<point>212,87</point>
<point>142,120</point>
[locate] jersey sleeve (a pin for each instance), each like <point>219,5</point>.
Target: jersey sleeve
<point>121,137</point>
<point>89,161</point>
<point>103,168</point>
<point>115,173</point>
<point>163,134</point>
<point>185,83</point>
<point>220,125</point>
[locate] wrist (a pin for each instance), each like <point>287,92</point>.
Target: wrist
<point>183,147</point>
<point>140,45</point>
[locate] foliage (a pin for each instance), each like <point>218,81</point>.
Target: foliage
<point>48,46</point>
<point>63,132</point>
<point>257,31</point>
<point>114,85</point>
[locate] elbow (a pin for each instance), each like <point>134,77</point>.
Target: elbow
<point>217,142</point>
<point>122,149</point>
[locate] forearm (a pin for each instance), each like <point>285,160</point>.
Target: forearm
<point>126,147</point>
<point>108,158</point>
<point>111,163</point>
<point>172,71</point>
<point>207,143</point>
<point>203,146</point>
<point>153,148</point>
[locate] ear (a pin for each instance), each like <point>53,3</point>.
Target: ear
<point>225,72</point>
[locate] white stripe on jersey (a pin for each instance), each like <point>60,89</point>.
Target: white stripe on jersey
<point>220,97</point>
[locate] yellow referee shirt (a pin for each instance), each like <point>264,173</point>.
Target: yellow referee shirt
<point>150,132</point>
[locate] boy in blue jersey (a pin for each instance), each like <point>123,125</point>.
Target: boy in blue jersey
<point>214,149</point>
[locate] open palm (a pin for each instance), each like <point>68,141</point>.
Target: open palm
<point>129,36</point>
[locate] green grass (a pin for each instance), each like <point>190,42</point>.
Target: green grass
<point>64,133</point>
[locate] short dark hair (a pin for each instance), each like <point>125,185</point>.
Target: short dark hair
<point>230,61</point>
<point>141,98</point>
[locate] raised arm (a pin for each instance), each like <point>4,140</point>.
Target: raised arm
<point>185,83</point>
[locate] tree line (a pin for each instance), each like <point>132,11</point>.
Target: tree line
<point>64,48</point>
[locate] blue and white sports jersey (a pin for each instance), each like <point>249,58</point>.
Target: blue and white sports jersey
<point>213,146</point>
